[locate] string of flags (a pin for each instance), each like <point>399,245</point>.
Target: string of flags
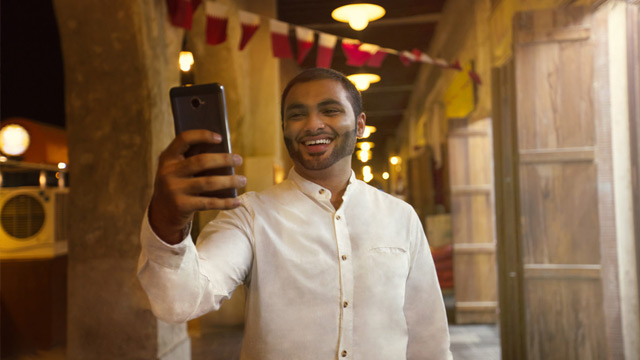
<point>356,52</point>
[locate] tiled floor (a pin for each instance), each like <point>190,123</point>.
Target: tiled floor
<point>468,342</point>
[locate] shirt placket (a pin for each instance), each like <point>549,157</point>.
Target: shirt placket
<point>345,344</point>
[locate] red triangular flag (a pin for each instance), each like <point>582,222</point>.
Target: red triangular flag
<point>250,23</point>
<point>326,44</point>
<point>377,58</point>
<point>280,39</point>
<point>357,54</point>
<point>407,58</point>
<point>304,39</point>
<point>217,20</point>
<point>456,65</point>
<point>417,53</point>
<point>181,13</point>
<point>475,77</point>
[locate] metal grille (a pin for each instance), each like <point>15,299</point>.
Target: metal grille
<point>22,217</point>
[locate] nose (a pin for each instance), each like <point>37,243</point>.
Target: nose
<point>314,122</point>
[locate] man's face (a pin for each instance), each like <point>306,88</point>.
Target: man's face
<point>319,125</point>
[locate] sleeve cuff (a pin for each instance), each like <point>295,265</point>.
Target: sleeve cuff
<point>158,251</point>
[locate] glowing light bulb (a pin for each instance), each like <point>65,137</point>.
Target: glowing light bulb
<point>358,21</point>
<point>364,156</point>
<point>62,165</point>
<point>14,140</point>
<point>365,146</point>
<point>394,160</point>
<point>385,175</point>
<point>368,130</point>
<point>185,60</point>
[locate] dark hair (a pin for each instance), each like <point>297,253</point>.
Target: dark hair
<point>325,74</point>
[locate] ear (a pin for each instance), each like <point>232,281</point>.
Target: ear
<point>360,123</point>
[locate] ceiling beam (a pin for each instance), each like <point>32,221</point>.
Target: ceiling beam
<point>407,20</point>
<point>388,88</point>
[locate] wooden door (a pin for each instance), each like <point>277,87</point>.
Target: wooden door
<point>558,185</point>
<point>472,220</point>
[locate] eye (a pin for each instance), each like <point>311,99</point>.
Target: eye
<point>294,116</point>
<point>331,111</point>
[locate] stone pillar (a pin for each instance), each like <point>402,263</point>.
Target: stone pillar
<point>120,59</point>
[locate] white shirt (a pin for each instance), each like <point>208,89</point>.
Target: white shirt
<point>354,283</point>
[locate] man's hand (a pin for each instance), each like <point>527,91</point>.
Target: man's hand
<point>176,192</point>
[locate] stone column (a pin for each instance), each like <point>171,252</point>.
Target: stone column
<point>120,59</point>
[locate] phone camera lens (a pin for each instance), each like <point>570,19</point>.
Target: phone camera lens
<point>195,102</point>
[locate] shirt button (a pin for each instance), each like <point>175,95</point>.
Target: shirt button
<point>345,304</point>
<point>321,191</point>
<point>344,257</point>
<point>344,353</point>
<point>337,217</point>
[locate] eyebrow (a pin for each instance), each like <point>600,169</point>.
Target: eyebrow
<point>300,106</point>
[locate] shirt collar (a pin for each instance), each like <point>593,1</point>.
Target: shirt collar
<point>314,190</point>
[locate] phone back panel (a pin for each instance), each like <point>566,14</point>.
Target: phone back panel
<point>203,107</point>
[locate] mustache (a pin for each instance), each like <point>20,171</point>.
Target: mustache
<point>309,133</point>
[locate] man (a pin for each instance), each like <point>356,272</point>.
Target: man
<point>333,268</point>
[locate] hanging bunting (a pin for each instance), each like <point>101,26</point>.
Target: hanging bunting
<point>304,38</point>
<point>326,44</point>
<point>249,23</point>
<point>357,53</point>
<point>181,12</point>
<point>217,19</point>
<point>280,39</point>
<point>377,58</point>
<point>475,77</point>
<point>407,58</point>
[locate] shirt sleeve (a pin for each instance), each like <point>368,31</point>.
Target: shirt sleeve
<point>424,306</point>
<point>183,282</point>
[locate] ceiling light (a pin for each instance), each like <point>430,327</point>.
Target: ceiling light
<point>385,175</point>
<point>362,81</point>
<point>185,60</point>
<point>358,15</point>
<point>14,140</point>
<point>365,145</point>
<point>368,130</point>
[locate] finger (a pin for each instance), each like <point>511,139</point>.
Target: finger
<point>201,184</point>
<point>207,161</point>
<point>211,203</point>
<point>186,139</point>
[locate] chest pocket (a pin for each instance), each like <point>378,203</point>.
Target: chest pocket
<point>390,265</point>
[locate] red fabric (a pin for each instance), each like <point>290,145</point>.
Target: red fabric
<point>216,30</point>
<point>280,46</point>
<point>475,77</point>
<point>247,33</point>
<point>456,65</point>
<point>181,12</point>
<point>326,44</point>
<point>377,58</point>
<point>405,58</point>
<point>355,57</point>
<point>324,57</point>
<point>303,49</point>
<point>442,253</point>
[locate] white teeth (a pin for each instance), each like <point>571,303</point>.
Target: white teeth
<point>316,142</point>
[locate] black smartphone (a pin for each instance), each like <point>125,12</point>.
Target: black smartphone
<point>203,107</point>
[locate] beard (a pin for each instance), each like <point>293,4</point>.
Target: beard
<point>344,145</point>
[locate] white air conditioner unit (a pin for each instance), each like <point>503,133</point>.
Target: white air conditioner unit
<point>33,222</point>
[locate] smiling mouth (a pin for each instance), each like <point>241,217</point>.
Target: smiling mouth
<point>317,142</point>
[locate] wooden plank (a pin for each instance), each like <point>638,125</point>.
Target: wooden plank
<point>474,248</point>
<point>511,316</point>
<point>554,35</point>
<point>471,189</point>
<point>562,271</point>
<point>564,319</point>
<point>560,213</point>
<point>557,155</point>
<point>468,132</point>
